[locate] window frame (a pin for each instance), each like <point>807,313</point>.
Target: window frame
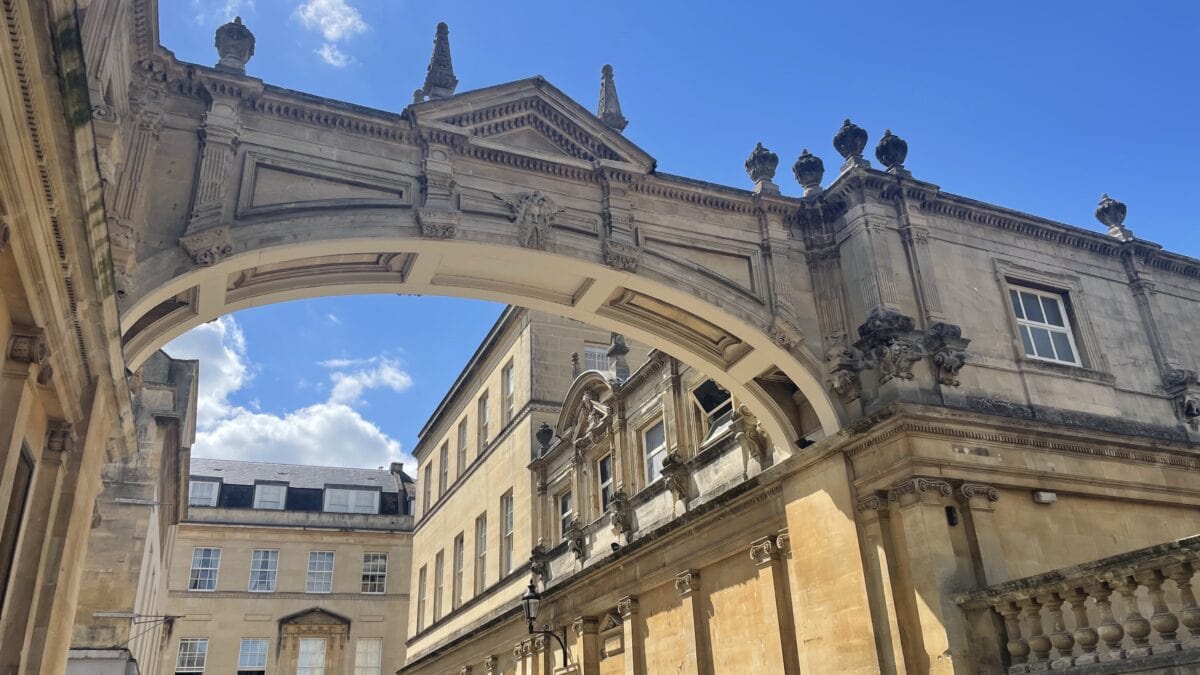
<point>258,501</point>
<point>564,517</point>
<point>368,668</point>
<point>480,553</point>
<point>308,579</point>
<point>593,351</point>
<point>422,597</point>
<point>647,466</point>
<point>604,486</point>
<point>484,420</point>
<point>203,655</point>
<point>507,518</point>
<point>192,569</point>
<point>463,446</point>
<point>459,565</point>
<point>439,583</point>
<point>329,491</point>
<point>444,468</point>
<point>427,489</point>
<point>366,582</point>
<point>274,570</point>
<point>302,669</point>
<point>507,394</point>
<point>216,495</point>
<point>1063,307</point>
<point>266,653</point>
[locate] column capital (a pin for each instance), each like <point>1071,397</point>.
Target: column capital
<point>876,500</point>
<point>60,436</point>
<point>586,625</point>
<point>978,495</point>
<point>919,489</point>
<point>687,582</point>
<point>27,345</point>
<point>627,606</point>
<point>490,664</point>
<point>763,551</point>
<point>783,542</point>
<point>538,643</point>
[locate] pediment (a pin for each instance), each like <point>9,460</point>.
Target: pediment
<point>315,616</point>
<point>533,117</point>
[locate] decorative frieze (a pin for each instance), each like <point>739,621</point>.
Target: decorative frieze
<point>687,582</point>
<point>763,551</point>
<point>60,436</point>
<point>627,607</point>
<point>947,349</point>
<point>534,214</point>
<point>676,474</point>
<point>919,486</point>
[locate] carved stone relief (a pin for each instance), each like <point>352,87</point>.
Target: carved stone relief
<point>675,473</point>
<point>534,213</point>
<point>621,255</point>
<point>948,352</point>
<point>576,540</point>
<point>208,247</point>
<point>687,581</point>
<point>620,513</point>
<point>749,433</point>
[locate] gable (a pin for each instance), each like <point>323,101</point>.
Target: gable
<point>315,616</point>
<point>532,116</point>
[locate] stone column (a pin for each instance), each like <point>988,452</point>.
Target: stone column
<point>632,636</point>
<point>834,626</point>
<point>779,639</point>
<point>587,631</point>
<point>936,641</point>
<point>872,514</point>
<point>698,659</point>
<point>979,503</point>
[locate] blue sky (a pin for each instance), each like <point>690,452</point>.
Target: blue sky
<point>1039,107</point>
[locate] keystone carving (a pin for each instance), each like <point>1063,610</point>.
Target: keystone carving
<point>763,551</point>
<point>749,433</point>
<point>919,486</point>
<point>785,333</point>
<point>948,351</point>
<point>60,436</point>
<point>539,563</point>
<point>687,581</point>
<point>675,472</point>
<point>576,540</point>
<point>969,491</point>
<point>621,255</point>
<point>534,213</point>
<point>627,607</point>
<point>209,247</point>
<point>620,513</point>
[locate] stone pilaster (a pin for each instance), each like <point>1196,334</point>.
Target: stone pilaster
<point>587,634</point>
<point>979,506</point>
<point>698,657</point>
<point>779,638</point>
<point>632,637</point>
<point>22,361</point>
<point>873,515</point>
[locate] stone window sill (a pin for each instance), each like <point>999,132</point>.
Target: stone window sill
<point>1065,370</point>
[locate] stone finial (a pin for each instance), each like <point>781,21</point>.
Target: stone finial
<point>616,353</point>
<point>1111,213</point>
<point>891,152</point>
<point>235,46</point>
<point>809,170</point>
<point>761,164</point>
<point>849,141</point>
<point>440,81</point>
<point>544,435</point>
<point>609,108</point>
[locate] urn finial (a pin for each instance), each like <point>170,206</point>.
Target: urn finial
<point>440,81</point>
<point>1111,213</point>
<point>760,165</point>
<point>609,107</point>
<point>891,152</point>
<point>235,46</point>
<point>849,141</point>
<point>809,170</point>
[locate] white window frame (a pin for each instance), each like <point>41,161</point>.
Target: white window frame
<point>480,553</point>
<point>595,357</point>
<point>506,533</point>
<point>357,501</point>
<point>459,563</point>
<point>309,669</point>
<point>422,598</point>
<point>308,581</point>
<point>427,489</point>
<point>507,394</point>
<point>271,555</point>
<point>650,456</point>
<point>463,443</point>
<point>603,485</point>
<point>368,574</point>
<point>196,652</point>
<point>208,501</point>
<point>194,578</point>
<point>243,664</point>
<point>444,468</point>
<point>260,494</point>
<point>565,517</point>
<point>439,583</point>
<point>1025,325</point>
<point>368,661</point>
<point>484,420</point>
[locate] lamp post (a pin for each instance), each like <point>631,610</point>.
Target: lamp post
<point>529,604</point>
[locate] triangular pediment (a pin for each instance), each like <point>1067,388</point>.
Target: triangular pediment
<point>315,616</point>
<point>533,117</point>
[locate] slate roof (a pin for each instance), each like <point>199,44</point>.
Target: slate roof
<point>237,472</point>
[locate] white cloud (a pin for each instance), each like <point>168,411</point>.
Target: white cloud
<point>333,318</point>
<point>209,11</point>
<point>335,57</point>
<point>336,19</point>
<point>221,348</point>
<point>330,433</point>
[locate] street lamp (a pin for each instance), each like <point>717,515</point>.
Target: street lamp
<point>529,605</point>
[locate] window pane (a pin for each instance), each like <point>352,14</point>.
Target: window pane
<point>1027,341</point>
<point>1016,304</point>
<point>253,654</point>
<point>312,657</point>
<point>263,565</point>
<point>1053,314</point>
<point>193,652</point>
<point>1033,309</point>
<point>1062,345</point>
<point>320,572</point>
<point>368,656</point>
<point>1041,340</point>
<point>205,564</point>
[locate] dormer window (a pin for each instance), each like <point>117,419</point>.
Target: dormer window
<point>203,492</point>
<point>270,496</point>
<point>345,500</point>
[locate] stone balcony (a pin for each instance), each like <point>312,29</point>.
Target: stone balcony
<point>308,519</point>
<point>1129,613</point>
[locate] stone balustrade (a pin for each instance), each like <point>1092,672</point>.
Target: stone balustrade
<point>1133,606</point>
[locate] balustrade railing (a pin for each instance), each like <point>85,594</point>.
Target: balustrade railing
<point>1130,606</point>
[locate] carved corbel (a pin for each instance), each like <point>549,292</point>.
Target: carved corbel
<point>491,665</point>
<point>438,224</point>
<point>763,551</point>
<point>785,333</point>
<point>919,487</point>
<point>585,625</point>
<point>576,540</point>
<point>28,345</point>
<point>60,436</point>
<point>970,491</point>
<point>687,582</point>
<point>208,247</point>
<point>621,255</point>
<point>627,607</point>
<point>675,472</point>
<point>1184,387</point>
<point>844,364</point>
<point>539,643</point>
<point>947,349</point>
<point>620,513</point>
<point>749,433</point>
<point>890,344</point>
<point>539,564</point>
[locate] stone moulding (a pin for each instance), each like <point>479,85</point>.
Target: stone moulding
<point>969,491</point>
<point>208,247</point>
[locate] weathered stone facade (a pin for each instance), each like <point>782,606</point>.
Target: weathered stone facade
<point>931,397</point>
